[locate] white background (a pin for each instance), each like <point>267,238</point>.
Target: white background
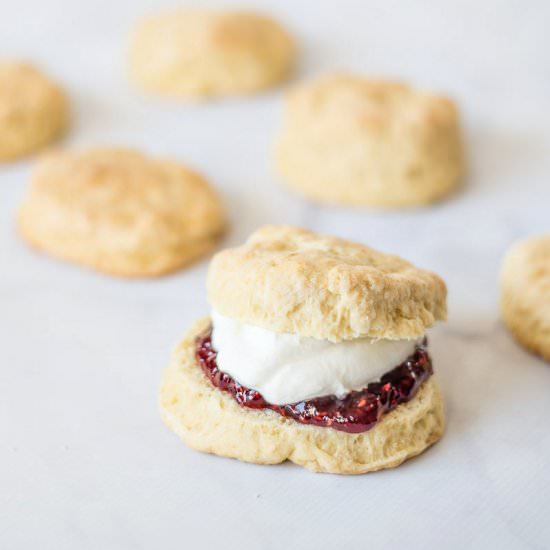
<point>84,459</point>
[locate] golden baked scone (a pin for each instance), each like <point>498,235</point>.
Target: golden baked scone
<point>292,280</point>
<point>211,421</point>
<point>353,141</point>
<point>525,294</point>
<point>120,212</point>
<point>33,110</point>
<point>194,53</point>
<point>315,352</point>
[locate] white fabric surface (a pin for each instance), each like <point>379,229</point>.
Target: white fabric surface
<point>84,459</point>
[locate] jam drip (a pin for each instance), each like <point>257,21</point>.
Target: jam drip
<point>357,411</point>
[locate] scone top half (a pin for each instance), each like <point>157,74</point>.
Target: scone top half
<point>299,316</point>
<point>290,280</point>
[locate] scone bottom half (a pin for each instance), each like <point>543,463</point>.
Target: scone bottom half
<point>394,416</point>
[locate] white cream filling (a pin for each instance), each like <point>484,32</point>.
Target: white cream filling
<point>286,368</point>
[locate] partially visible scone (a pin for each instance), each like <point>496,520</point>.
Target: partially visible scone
<point>33,110</point>
<point>354,141</point>
<point>315,352</point>
<point>197,53</point>
<point>120,212</point>
<point>525,294</point>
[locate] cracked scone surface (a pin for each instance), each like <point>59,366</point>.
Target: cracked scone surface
<point>33,110</point>
<point>120,212</point>
<point>200,53</point>
<point>288,279</point>
<point>209,420</point>
<point>354,141</point>
<point>525,294</point>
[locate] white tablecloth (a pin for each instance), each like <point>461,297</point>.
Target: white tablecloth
<point>84,459</point>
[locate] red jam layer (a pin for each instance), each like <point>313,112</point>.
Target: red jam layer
<point>358,411</point>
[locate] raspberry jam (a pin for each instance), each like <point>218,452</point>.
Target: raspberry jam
<point>357,411</point>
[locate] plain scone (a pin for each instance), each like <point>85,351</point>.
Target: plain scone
<point>353,141</point>
<point>120,212</point>
<point>525,294</point>
<point>33,110</point>
<point>287,279</point>
<point>195,53</point>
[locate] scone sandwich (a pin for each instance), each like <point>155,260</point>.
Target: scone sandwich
<point>315,352</point>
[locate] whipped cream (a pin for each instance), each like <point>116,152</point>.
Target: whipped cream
<point>287,368</point>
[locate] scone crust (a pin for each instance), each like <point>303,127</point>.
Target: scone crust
<point>288,279</point>
<point>525,294</point>
<point>353,141</point>
<point>209,420</point>
<point>120,212</point>
<point>33,110</point>
<point>198,53</point>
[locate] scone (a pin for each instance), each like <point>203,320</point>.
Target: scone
<point>349,140</point>
<point>315,352</point>
<point>195,53</point>
<point>525,294</point>
<point>120,212</point>
<point>33,110</point>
